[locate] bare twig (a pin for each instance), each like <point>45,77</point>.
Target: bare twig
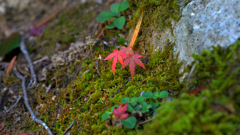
<point>25,52</point>
<point>41,60</point>
<point>67,132</point>
<point>78,68</point>
<point>34,118</point>
<point>146,121</point>
<point>97,69</point>
<point>14,104</point>
<point>121,87</point>
<point>65,81</point>
<point>190,74</point>
<point>48,88</point>
<point>3,99</point>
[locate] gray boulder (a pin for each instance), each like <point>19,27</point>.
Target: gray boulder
<point>205,23</point>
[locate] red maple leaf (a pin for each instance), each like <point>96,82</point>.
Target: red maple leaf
<point>120,111</point>
<point>117,56</point>
<point>196,91</point>
<point>127,50</point>
<point>130,61</point>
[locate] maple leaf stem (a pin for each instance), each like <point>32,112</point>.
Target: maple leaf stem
<point>136,31</point>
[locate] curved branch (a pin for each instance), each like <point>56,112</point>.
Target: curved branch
<point>34,118</point>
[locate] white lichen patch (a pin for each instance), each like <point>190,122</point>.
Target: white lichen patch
<point>76,52</point>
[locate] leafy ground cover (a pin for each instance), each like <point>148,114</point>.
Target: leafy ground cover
<point>94,96</point>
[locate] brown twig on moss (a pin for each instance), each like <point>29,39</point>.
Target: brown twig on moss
<point>34,118</point>
<point>121,87</point>
<point>67,132</point>
<point>146,121</point>
<point>14,104</point>
<point>97,68</point>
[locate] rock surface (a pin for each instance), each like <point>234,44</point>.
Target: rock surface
<point>205,23</point>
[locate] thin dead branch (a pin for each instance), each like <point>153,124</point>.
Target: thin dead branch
<point>25,52</point>
<point>190,74</point>
<point>14,104</point>
<point>97,68</point>
<point>34,118</point>
<point>67,132</point>
<point>146,121</point>
<point>121,87</point>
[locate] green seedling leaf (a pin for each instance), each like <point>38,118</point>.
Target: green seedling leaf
<point>114,8</point>
<point>123,6</point>
<point>154,105</point>
<point>10,43</point>
<point>114,107</point>
<point>145,107</point>
<point>109,113</point>
<point>130,108</point>
<point>147,95</point>
<point>134,101</point>
<point>141,99</point>
<point>163,94</point>
<point>105,116</point>
<point>130,122</point>
<point>119,22</point>
<point>155,95</point>
<point>125,100</point>
<point>144,103</point>
<point>106,15</point>
<point>137,108</point>
<point>110,26</point>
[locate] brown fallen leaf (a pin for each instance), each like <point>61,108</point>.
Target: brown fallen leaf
<point>2,125</point>
<point>10,66</point>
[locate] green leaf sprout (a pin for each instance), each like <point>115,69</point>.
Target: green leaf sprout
<point>115,10</point>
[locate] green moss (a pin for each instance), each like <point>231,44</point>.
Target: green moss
<point>158,13</point>
<point>88,97</point>
<point>192,115</point>
<point>216,109</point>
<point>8,80</point>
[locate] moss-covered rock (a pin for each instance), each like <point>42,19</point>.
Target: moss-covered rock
<point>159,13</point>
<point>194,115</point>
<point>216,109</point>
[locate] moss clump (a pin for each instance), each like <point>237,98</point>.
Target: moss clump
<point>215,110</point>
<point>87,98</point>
<point>159,13</point>
<point>219,70</point>
<point>193,115</point>
<point>9,80</point>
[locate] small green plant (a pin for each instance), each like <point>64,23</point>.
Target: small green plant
<point>121,41</point>
<point>115,11</point>
<point>136,109</point>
